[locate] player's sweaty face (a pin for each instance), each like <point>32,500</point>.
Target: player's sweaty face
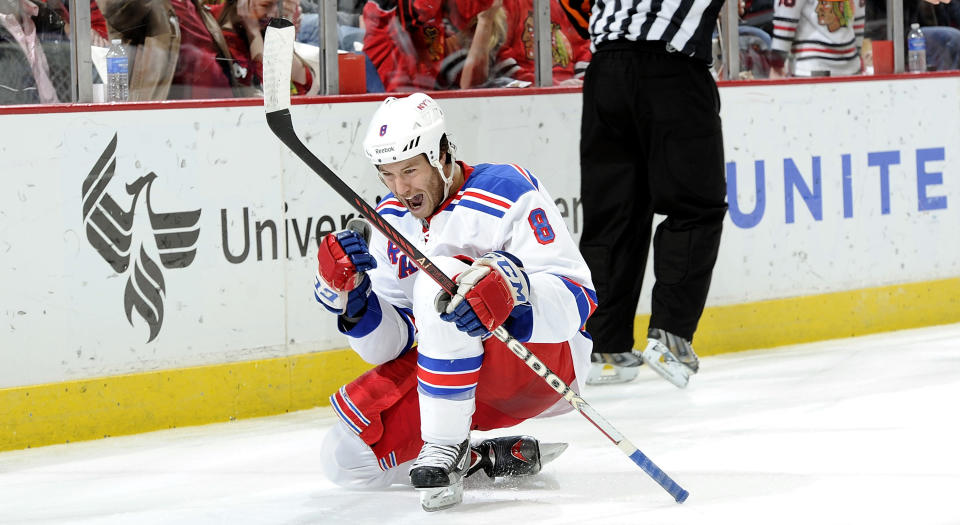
<point>416,183</point>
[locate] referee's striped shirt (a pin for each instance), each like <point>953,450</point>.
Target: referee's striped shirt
<point>687,25</point>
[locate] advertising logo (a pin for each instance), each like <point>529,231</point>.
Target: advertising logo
<point>109,228</point>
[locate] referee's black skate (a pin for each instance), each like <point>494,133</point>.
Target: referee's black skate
<point>613,368</point>
<point>511,456</point>
<point>438,474</point>
<point>671,356</point>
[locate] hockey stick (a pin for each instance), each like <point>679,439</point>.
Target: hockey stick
<point>277,60</point>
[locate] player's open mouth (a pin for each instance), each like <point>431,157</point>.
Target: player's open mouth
<point>415,202</point>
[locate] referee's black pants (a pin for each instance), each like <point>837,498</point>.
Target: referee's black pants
<point>650,142</point>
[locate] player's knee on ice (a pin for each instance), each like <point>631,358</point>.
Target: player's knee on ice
<point>348,462</point>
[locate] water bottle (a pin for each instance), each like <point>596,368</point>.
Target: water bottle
<point>117,79</point>
<point>916,50</point>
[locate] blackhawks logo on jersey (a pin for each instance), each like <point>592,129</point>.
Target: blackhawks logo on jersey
<point>834,14</point>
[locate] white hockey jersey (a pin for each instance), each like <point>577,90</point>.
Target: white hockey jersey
<point>822,35</point>
<point>499,207</point>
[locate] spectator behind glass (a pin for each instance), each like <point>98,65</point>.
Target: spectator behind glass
<point>515,58</point>
<point>349,35</point>
<point>939,19</point>
<point>823,37</point>
<point>349,30</point>
<point>180,49</point>
<point>98,36</point>
<point>243,23</point>
<point>34,54</point>
<point>940,25</point>
<point>425,44</point>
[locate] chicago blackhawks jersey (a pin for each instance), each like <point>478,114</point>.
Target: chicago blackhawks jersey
<point>822,35</point>
<point>498,207</point>
<point>515,57</point>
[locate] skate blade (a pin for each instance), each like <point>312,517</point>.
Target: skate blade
<point>433,499</point>
<point>551,451</point>
<point>607,374</point>
<point>657,357</point>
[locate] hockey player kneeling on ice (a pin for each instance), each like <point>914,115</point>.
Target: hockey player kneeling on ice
<point>496,231</point>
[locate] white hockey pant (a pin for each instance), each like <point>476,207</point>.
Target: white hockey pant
<point>348,462</point>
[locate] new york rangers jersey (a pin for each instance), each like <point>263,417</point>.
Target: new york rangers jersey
<point>822,35</point>
<point>498,207</point>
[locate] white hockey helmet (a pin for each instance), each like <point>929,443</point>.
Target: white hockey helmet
<point>403,128</point>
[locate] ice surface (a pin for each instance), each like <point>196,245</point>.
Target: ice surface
<point>850,431</point>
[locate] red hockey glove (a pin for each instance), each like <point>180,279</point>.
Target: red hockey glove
<point>342,285</point>
<point>342,258</point>
<point>488,291</point>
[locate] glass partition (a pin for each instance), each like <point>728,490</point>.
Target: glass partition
<point>939,25</point>
<point>35,59</point>
<point>458,44</point>
<point>797,38</point>
<point>213,48</point>
<point>836,38</point>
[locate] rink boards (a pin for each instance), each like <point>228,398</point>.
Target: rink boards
<point>844,217</point>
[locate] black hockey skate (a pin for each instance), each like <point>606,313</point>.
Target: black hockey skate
<point>511,456</point>
<point>438,474</point>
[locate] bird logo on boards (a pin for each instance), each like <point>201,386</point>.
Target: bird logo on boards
<point>109,229</point>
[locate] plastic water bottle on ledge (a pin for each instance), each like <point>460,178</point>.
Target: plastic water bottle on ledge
<point>916,50</point>
<point>118,87</point>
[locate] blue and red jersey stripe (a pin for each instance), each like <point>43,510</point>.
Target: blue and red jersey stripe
<point>348,412</point>
<point>585,297</point>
